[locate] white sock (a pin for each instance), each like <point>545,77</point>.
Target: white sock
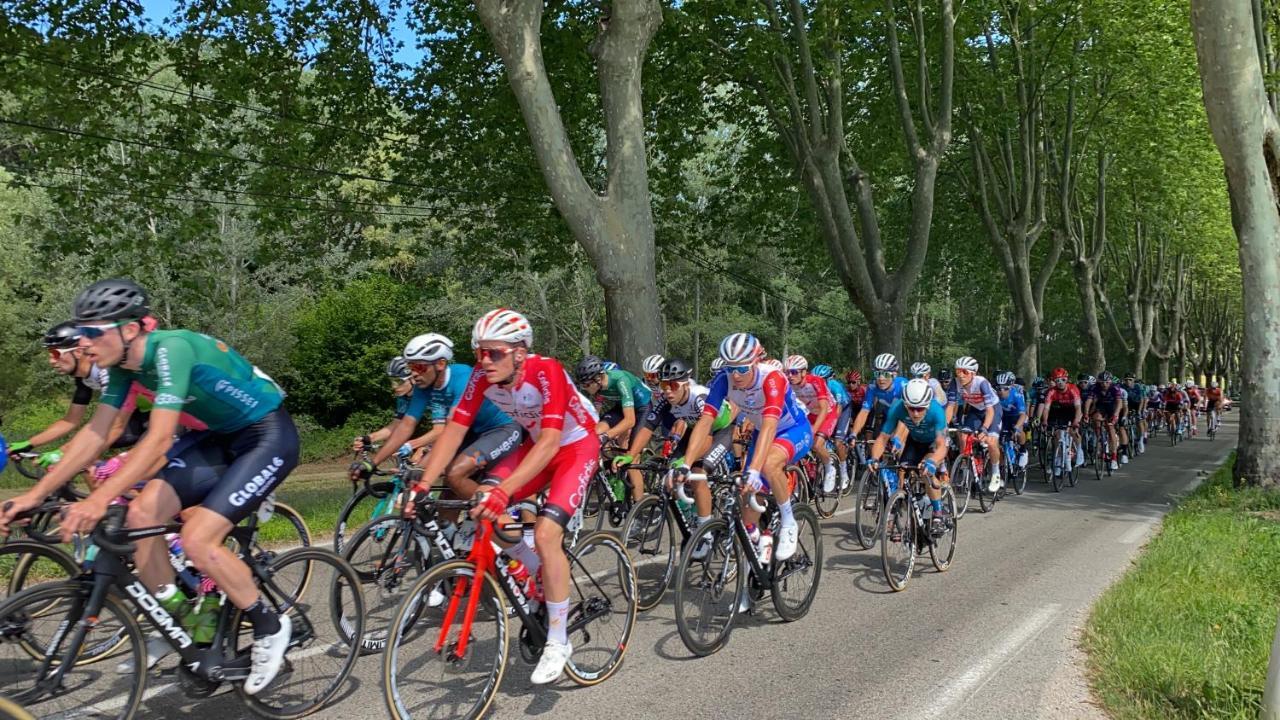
<point>784,511</point>
<point>703,520</point>
<point>558,622</point>
<point>526,555</point>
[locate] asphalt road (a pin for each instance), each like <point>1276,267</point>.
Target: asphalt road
<point>993,637</point>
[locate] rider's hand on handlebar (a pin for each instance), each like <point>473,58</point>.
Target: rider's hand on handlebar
<point>82,517</point>
<point>361,470</point>
<point>410,508</point>
<point>19,504</point>
<point>492,503</point>
<point>752,482</point>
<point>16,449</point>
<point>405,450</point>
<point>620,461</point>
<point>930,467</point>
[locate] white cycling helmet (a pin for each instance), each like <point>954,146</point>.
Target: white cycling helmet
<point>1005,378</point>
<point>1191,383</point>
<point>739,349</point>
<point>919,369</point>
<point>1213,384</point>
<point>797,362</point>
<point>917,394</point>
<point>967,363</point>
<point>502,325</point>
<point>717,365</point>
<point>885,362</point>
<point>771,365</point>
<point>428,348</point>
<point>652,364</point>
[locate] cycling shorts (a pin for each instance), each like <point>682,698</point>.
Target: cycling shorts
<point>231,473</point>
<point>828,424</point>
<point>614,416</point>
<point>844,422</point>
<point>973,420</point>
<point>494,450</point>
<point>1107,410</point>
<point>1061,414</point>
<point>1172,407</point>
<point>914,452</point>
<point>796,440</point>
<point>565,478</point>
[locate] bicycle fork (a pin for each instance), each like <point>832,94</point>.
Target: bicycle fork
<point>482,557</point>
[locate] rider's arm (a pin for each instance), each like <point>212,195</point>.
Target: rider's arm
<point>63,425</point>
<point>824,405</point>
<point>402,431</point>
<point>429,437</point>
<point>699,439</point>
<point>642,438</point>
<point>119,424</point>
<point>858,422</point>
<point>144,456</point>
<point>628,421</point>
<point>84,447</point>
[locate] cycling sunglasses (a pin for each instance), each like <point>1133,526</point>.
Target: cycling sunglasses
<point>492,354</point>
<point>57,353</point>
<point>795,371</point>
<point>884,374</point>
<point>737,369</point>
<point>418,367</point>
<point>671,385</point>
<point>93,332</point>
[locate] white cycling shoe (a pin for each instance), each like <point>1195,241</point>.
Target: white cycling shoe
<point>551,665</point>
<point>829,481</point>
<point>995,483</point>
<point>268,656</point>
<point>157,649</point>
<point>788,539</point>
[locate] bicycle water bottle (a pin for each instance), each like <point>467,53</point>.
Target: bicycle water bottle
<point>765,547</point>
<point>753,534</point>
<point>617,486</point>
<point>890,479</point>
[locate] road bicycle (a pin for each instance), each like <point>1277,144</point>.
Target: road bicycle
<point>48,631</point>
<point>449,660</point>
<point>908,529</point>
<point>733,574</point>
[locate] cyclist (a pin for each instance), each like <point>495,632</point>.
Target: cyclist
<point>560,454</point>
<point>223,472</point>
<point>1062,408</point>
<point>1137,409</point>
<point>1103,405</point>
<point>888,387</point>
<point>781,433</point>
<point>1193,405</point>
<point>1213,403</point>
<point>972,397</point>
<point>1013,409</point>
<point>1174,399</point>
<point>922,370</point>
<point>401,390</point>
<point>650,368</point>
<point>916,425</point>
<point>627,398</point>
<point>813,394</point>
<point>845,417</point>
<point>491,441</point>
<point>678,407</point>
<point>66,358</point>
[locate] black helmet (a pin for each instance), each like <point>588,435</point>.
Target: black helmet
<point>114,299</point>
<point>944,376</point>
<point>673,370</point>
<point>63,335</point>
<point>398,368</point>
<point>589,367</point>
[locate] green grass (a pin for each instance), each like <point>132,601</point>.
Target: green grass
<point>1187,632</point>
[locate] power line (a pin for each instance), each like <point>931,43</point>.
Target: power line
<point>236,158</point>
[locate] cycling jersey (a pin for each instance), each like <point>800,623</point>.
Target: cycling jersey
<point>402,404</point>
<point>1173,397</point>
<point>939,394</point>
<point>141,400</point>
<point>1213,396</point>
<point>809,391</point>
<point>932,424</point>
<point>199,374</point>
<point>664,415</point>
<point>1070,395</point>
<point>1108,398</point>
<point>1193,395</point>
<point>1013,405</point>
<point>544,398</point>
<point>838,392</point>
<point>769,395</point>
<point>978,395</point>
<point>1136,393</point>
<point>879,400</point>
<point>442,400</point>
<point>857,395</point>
<point>625,390</point>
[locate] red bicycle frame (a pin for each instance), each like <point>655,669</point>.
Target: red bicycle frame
<point>482,556</point>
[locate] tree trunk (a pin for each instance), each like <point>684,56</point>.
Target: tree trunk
<point>615,227</point>
<point>1095,355</point>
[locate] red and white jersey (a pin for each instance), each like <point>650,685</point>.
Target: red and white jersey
<point>810,391</point>
<point>545,397</point>
<point>768,396</point>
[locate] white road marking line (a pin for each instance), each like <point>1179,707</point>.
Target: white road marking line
<point>1135,534</point>
<point>981,672</point>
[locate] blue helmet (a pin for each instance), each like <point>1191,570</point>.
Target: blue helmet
<point>822,371</point>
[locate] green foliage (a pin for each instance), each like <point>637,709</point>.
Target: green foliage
<point>343,342</point>
<point>1186,633</point>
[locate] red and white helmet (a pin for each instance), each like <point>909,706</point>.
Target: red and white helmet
<point>797,362</point>
<point>502,325</point>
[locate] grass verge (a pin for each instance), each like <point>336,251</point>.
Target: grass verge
<point>1187,632</point>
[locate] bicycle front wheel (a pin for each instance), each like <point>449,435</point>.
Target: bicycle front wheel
<point>898,541</point>
<point>708,588</point>
<point>40,624</point>
<point>425,671</point>
<point>866,514</point>
<point>25,563</point>
<point>962,481</point>
<point>650,535</point>
<point>795,580</point>
<point>943,546</point>
<point>363,506</point>
<point>324,618</point>
<point>387,556</point>
<point>602,607</point>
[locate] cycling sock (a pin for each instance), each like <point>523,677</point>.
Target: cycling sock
<point>526,536</point>
<point>265,621</point>
<point>557,622</point>
<point>526,555</point>
<point>784,511</point>
<point>937,505</point>
<point>703,520</point>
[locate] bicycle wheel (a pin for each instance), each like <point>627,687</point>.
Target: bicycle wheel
<point>943,547</point>
<point>362,507</point>
<point>596,503</point>
<point>825,503</point>
<point>387,556</point>
<point>1058,475</point>
<point>24,563</point>
<point>986,498</point>
<point>10,710</point>
<point>962,480</point>
<point>707,590</point>
<point>1018,477</point>
<point>602,607</point>
<point>898,541</point>
<point>866,517</point>
<point>419,679</point>
<point>650,536</point>
<point>795,580</point>
<point>35,623</point>
<point>324,618</point>
<point>801,484</point>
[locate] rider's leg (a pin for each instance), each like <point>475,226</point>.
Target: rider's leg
<point>156,504</point>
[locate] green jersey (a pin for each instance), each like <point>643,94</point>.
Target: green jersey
<point>625,390</point>
<point>199,375</point>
